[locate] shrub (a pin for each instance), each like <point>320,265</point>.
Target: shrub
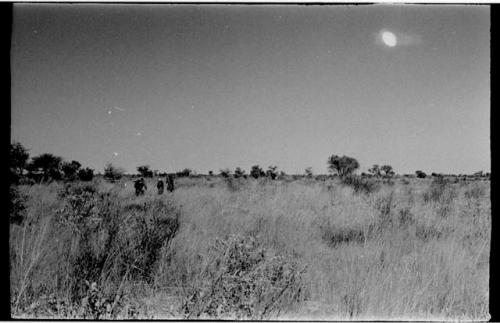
<point>256,171</point>
<point>109,248</point>
<point>475,192</point>
<point>145,171</point>
<point>435,190</point>
<point>184,173</point>
<point>86,174</point>
<point>360,184</point>
<point>225,172</point>
<point>18,158</point>
<point>232,184</point>
<point>420,174</point>
<point>70,170</point>
<point>240,280</point>
<point>272,172</point>
<point>337,236</point>
<point>238,172</point>
<point>17,208</point>
<point>45,167</point>
<point>113,173</point>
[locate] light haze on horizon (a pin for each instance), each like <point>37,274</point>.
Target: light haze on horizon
<point>209,87</point>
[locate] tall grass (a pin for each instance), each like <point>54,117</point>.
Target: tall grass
<point>300,249</point>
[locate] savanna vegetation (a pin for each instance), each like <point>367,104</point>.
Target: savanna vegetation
<point>263,246</point>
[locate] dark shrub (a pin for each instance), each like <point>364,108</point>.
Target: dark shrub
<point>86,174</point>
<point>420,174</point>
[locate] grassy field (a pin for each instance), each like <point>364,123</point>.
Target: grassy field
<point>288,249</point>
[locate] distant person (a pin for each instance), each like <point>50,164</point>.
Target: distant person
<point>140,186</point>
<point>160,187</point>
<point>170,183</point>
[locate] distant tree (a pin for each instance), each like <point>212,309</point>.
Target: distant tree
<point>309,172</point>
<point>420,174</point>
<point>18,158</point>
<point>145,171</point>
<point>256,171</point>
<point>85,174</point>
<point>375,170</point>
<point>387,171</point>
<point>238,172</point>
<point>272,172</point>
<point>342,165</point>
<point>211,173</point>
<point>45,167</point>
<point>70,170</point>
<point>112,172</point>
<point>225,172</point>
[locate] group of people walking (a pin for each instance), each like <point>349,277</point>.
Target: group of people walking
<point>140,185</point>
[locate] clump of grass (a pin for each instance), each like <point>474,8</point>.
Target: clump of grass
<point>240,280</point>
<point>338,236</point>
<point>475,192</point>
<point>360,184</point>
<point>232,184</point>
<point>435,190</point>
<point>17,205</point>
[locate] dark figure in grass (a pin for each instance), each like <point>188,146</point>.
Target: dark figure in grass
<point>170,183</point>
<point>160,186</point>
<point>140,186</point>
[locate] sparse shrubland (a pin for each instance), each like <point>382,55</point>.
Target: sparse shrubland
<point>343,248</point>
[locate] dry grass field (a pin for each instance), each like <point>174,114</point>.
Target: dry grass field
<point>246,248</point>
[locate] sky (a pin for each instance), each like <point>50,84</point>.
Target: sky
<point>209,87</point>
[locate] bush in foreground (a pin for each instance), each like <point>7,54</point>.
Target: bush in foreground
<point>241,281</point>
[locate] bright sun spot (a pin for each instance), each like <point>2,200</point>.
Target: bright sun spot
<point>389,39</point>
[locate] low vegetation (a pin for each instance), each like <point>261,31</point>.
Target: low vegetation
<point>350,248</point>
<point>260,246</point>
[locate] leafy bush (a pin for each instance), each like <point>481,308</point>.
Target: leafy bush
<point>240,280</point>
<point>108,247</point>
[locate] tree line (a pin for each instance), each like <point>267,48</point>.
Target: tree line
<point>44,167</point>
<point>47,167</point>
